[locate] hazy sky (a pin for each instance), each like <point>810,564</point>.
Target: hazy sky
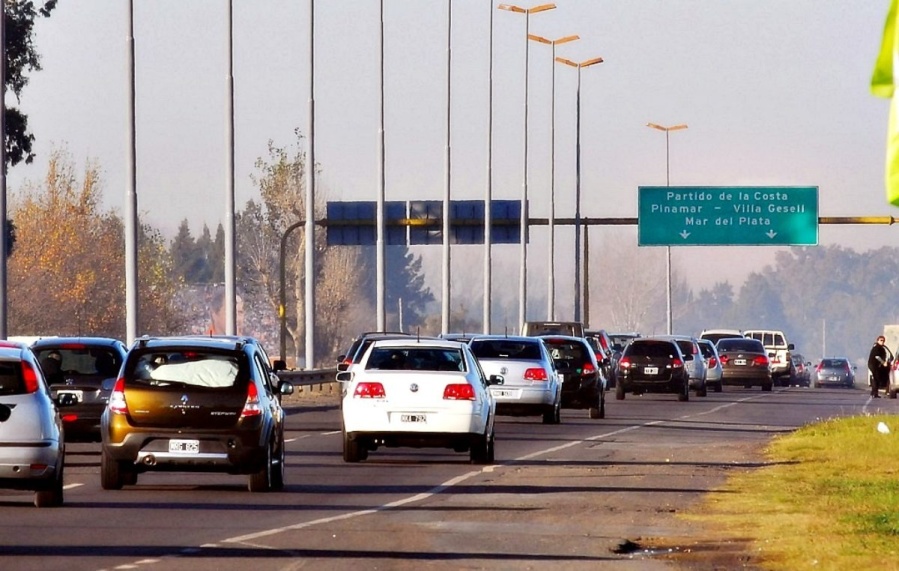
<point>775,92</point>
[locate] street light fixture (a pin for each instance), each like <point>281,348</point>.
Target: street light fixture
<point>551,289</point>
<point>667,130</point>
<point>577,198</point>
<point>523,283</point>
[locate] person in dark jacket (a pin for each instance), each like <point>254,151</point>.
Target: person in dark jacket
<point>879,364</point>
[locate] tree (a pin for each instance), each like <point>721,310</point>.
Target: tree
<point>21,58</point>
<point>66,276</point>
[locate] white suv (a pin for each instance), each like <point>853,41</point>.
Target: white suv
<point>779,357</point>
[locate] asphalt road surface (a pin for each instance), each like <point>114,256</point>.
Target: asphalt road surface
<point>585,494</point>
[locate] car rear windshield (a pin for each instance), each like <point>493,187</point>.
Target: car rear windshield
<point>77,359</point>
<point>189,367</point>
<point>835,364</point>
<point>661,349</point>
<point>751,345</point>
<point>503,349</point>
<point>567,350</point>
<point>415,359</point>
<point>11,382</point>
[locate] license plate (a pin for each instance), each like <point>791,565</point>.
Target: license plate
<point>414,418</point>
<point>504,393</point>
<point>79,395</point>
<point>651,370</point>
<point>739,361</point>
<point>184,446</point>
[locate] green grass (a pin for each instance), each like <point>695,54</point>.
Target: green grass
<point>829,499</point>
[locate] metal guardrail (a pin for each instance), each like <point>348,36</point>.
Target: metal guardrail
<point>309,377</point>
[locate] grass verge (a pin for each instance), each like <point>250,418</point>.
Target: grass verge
<point>828,498</point>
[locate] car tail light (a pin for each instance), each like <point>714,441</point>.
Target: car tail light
<point>251,407</point>
<point>588,369</point>
<point>760,361</point>
<point>69,417</point>
<point>724,359</point>
<point>462,391</point>
<point>369,391</point>
<point>677,364</point>
<point>535,374</point>
<point>117,402</point>
<point>30,377</point>
<point>713,362</point>
<point>624,363</point>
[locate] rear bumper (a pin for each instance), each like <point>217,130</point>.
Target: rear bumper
<point>675,385</point>
<point>453,440</point>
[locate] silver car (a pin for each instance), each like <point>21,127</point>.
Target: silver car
<point>713,370</point>
<point>531,383</point>
<point>32,449</point>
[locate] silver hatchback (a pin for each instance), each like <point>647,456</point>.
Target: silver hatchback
<point>531,383</point>
<point>32,448</point>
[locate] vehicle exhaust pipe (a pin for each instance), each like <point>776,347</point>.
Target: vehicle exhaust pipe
<point>150,460</point>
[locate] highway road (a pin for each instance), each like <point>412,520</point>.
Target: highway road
<point>559,496</point>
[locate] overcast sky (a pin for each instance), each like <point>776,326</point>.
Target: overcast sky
<point>774,92</point>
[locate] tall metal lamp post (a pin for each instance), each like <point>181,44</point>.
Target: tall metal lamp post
<point>667,130</point>
<point>577,196</point>
<point>523,273</point>
<point>551,267</point>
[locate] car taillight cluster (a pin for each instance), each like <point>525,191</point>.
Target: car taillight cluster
<point>462,391</point>
<point>760,361</point>
<point>624,363</point>
<point>252,406</point>
<point>536,374</point>
<point>117,402</point>
<point>29,375</point>
<point>677,364</point>
<point>588,369</point>
<point>369,391</point>
<point>713,362</point>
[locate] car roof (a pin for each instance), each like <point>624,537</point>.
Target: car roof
<point>419,342</point>
<point>58,341</point>
<point>223,342</point>
<point>523,338</point>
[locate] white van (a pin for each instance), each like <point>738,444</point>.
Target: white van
<point>779,357</point>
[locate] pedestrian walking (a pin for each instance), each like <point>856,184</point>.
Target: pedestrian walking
<point>879,365</point>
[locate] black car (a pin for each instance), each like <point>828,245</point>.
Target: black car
<point>583,383</point>
<point>361,343</point>
<point>652,365</point>
<point>86,368</point>
<point>195,404</point>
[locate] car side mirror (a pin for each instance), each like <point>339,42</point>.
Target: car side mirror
<point>285,388</point>
<point>790,347</point>
<point>344,377</point>
<point>496,380</point>
<point>342,366</point>
<point>279,365</point>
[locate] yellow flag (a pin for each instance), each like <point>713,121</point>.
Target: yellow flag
<point>883,85</point>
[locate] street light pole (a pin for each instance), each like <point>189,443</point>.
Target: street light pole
<point>577,186</point>
<point>551,263</point>
<point>667,130</point>
<point>523,272</point>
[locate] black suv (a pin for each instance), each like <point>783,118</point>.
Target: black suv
<point>652,365</point>
<point>86,368</point>
<point>195,404</point>
<point>583,383</point>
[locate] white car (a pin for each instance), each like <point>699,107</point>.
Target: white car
<point>418,393</point>
<point>714,372</point>
<point>32,448</point>
<point>531,384</point>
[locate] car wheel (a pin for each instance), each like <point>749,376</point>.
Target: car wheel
<point>719,386</point>
<point>684,395</point>
<point>263,480</point>
<point>767,387</point>
<point>53,496</point>
<point>619,392</point>
<point>481,450</point>
<point>602,406</point>
<point>553,415</point>
<point>279,468</point>
<point>704,391</point>
<point>111,476</point>
<point>352,451</point>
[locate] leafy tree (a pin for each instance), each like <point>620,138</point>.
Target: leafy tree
<point>66,276</point>
<point>21,58</point>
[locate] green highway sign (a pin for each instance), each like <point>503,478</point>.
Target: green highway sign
<point>727,215</point>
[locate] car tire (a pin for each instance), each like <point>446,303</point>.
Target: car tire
<point>261,480</point>
<point>51,497</point>
<point>719,386</point>
<point>684,395</point>
<point>553,415</point>
<point>352,451</point>
<point>704,391</point>
<point>111,476</point>
<point>619,392</point>
<point>602,406</point>
<point>279,468</point>
<point>768,387</point>
<point>482,450</point>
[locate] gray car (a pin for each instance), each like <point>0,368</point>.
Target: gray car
<point>32,447</point>
<point>713,369</point>
<point>531,383</point>
<point>835,372</point>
